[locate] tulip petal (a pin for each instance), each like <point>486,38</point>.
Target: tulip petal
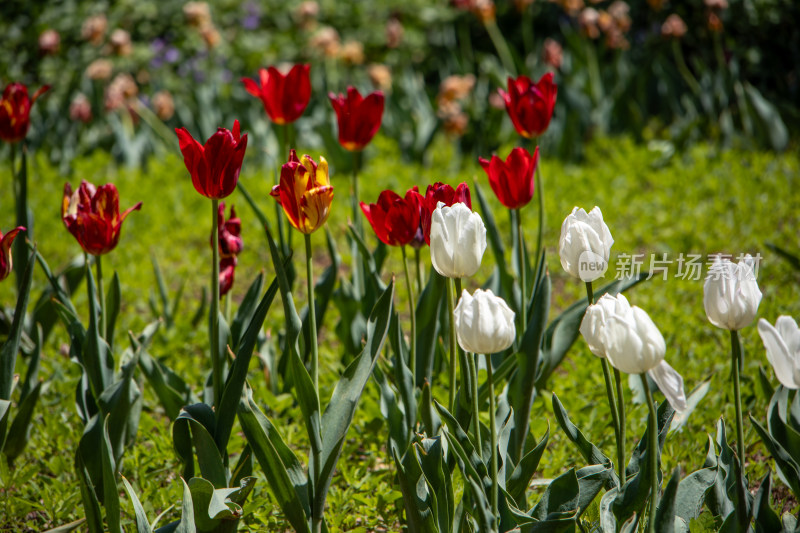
<point>778,355</point>
<point>670,383</point>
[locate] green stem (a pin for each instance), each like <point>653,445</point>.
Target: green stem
<point>101,293</point>
<point>652,455</point>
<point>493,431</point>
<point>419,270</point>
<point>20,181</point>
<point>540,195</point>
<point>473,370</point>
<point>216,369</point>
<point>683,69</point>
<point>411,309</point>
<point>228,308</point>
<point>278,209</point>
<point>358,273</point>
<point>466,44</point>
<point>286,146</point>
<point>736,362</point>
<point>312,316</point>
<point>451,297</point>
<point>501,46</point>
<point>621,421</point>
<point>522,274</point>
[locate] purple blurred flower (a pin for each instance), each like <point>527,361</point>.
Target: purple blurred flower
<point>252,19</point>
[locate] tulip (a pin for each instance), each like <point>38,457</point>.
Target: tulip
<point>359,118</point>
<point>441,192</point>
<point>304,192</point>
<point>731,294</point>
<point>215,166</point>
<point>512,180</point>
<point>530,105</point>
<point>91,214</point>
<point>585,244</point>
<point>395,219</point>
<point>458,240</point>
<point>484,323</point>
<point>230,240</point>
<point>626,336</point>
<point>284,97</point>
<point>6,240</point>
<point>782,342</point>
<point>15,110</point>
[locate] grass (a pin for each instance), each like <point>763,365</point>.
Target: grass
<point>701,201</point>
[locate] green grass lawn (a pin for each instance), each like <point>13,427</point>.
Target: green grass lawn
<point>701,201</point>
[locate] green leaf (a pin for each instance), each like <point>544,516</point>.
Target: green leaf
<point>283,471</point>
<point>44,311</point>
<point>237,375</point>
<point>171,390</point>
<point>560,499</point>
<point>34,361</point>
<point>665,513</point>
<point>768,120</point>
<point>469,461</point>
<point>692,492</point>
<point>431,457</point>
<point>339,413</point>
<point>214,506</point>
<point>142,525</point>
<point>97,359</point>
<point>244,314</point>
<point>8,353</point>
<point>680,419</point>
<point>20,430</point>
<point>91,506</point>
<point>195,426</point>
<point>110,493</point>
<point>519,479</point>
<point>766,520</point>
<point>496,243</point>
<point>419,501</point>
<point>788,467</point>
<point>429,305</point>
<point>113,301</point>
<point>323,290</point>
<point>186,524</point>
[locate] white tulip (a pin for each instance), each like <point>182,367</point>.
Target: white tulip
<point>585,244</point>
<point>458,240</point>
<point>782,342</point>
<point>484,323</point>
<point>628,338</point>
<point>731,294</point>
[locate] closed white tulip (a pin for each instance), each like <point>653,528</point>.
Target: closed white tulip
<point>731,294</point>
<point>484,323</point>
<point>585,244</point>
<point>628,338</point>
<point>782,342</point>
<point>458,240</point>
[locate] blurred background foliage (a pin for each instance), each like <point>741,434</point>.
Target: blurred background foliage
<point>125,73</point>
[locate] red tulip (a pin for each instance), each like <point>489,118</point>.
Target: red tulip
<point>214,167</point>
<point>6,265</point>
<point>15,110</point>
<point>359,118</point>
<point>284,97</point>
<point>230,240</point>
<point>512,180</point>
<point>395,219</point>
<point>92,216</point>
<point>227,266</point>
<point>305,192</point>
<point>441,192</point>
<point>530,105</point>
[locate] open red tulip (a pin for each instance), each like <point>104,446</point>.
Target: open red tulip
<point>441,192</point>
<point>215,166</point>
<point>6,263</point>
<point>359,118</point>
<point>530,105</point>
<point>512,180</point>
<point>394,218</point>
<point>92,215</point>
<point>285,97</point>
<point>15,111</point>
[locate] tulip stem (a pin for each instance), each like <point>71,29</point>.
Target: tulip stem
<point>451,297</point>
<point>621,422</point>
<point>419,270</point>
<point>216,370</point>
<point>501,46</point>
<point>473,370</point>
<point>24,216</point>
<point>312,316</point>
<point>736,361</point>
<point>522,274</point>
<point>101,294</point>
<point>412,364</point>
<point>540,231</point>
<point>358,266</point>
<point>493,431</point>
<point>278,210</point>
<point>652,455</point>
<point>285,143</point>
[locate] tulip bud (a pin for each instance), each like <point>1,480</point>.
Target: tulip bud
<point>484,323</point>
<point>782,342</point>
<point>530,105</point>
<point>585,244</point>
<point>458,240</point>
<point>731,294</point>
